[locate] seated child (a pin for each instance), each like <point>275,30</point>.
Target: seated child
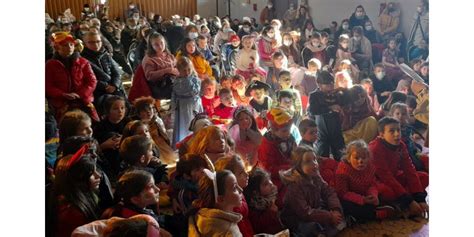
<point>225,82</point>
<point>245,134</point>
<point>209,98</point>
<point>399,111</point>
<point>261,195</point>
<point>382,85</point>
<point>286,101</point>
<point>369,88</point>
<point>199,121</point>
<point>236,165</point>
<point>137,153</point>
<point>325,106</point>
<point>309,84</point>
<point>274,154</point>
<point>393,98</point>
<point>284,80</point>
<point>356,186</point>
<point>238,90</point>
<point>399,181</point>
<point>311,206</point>
<point>213,215</point>
<point>260,101</point>
<point>223,112</point>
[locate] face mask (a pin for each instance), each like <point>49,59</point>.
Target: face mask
<point>193,35</point>
<point>348,71</point>
<point>269,5</point>
<point>419,9</point>
<point>179,24</point>
<point>287,42</point>
<point>357,38</point>
<point>132,27</point>
<point>131,6</point>
<point>359,15</point>
<point>246,29</point>
<point>86,9</point>
<point>271,35</point>
<point>345,26</point>
<point>368,28</point>
<point>315,44</point>
<point>218,25</point>
<point>380,75</point>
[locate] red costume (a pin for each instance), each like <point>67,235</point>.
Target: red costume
<point>245,226</point>
<point>209,104</point>
<point>353,185</point>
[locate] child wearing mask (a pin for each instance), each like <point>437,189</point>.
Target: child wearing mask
<point>311,207</point>
<point>382,86</point>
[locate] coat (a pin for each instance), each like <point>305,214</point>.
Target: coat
<point>353,185</point>
<point>201,65</point>
<point>389,162</point>
<point>307,200</point>
<point>214,222</point>
<point>245,226</point>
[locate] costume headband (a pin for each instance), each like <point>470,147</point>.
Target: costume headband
<point>78,155</point>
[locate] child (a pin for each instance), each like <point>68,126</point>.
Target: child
<point>260,101</point>
<point>238,90</point>
<point>73,123</point>
<point>325,105</point>
<point>211,141</point>
<point>219,194</point>
<point>185,100</point>
<point>309,84</point>
<point>311,207</point>
<point>108,132</point>
<point>245,134</point>
<point>146,110</point>
<point>356,186</point>
<point>226,82</point>
<point>346,66</point>
<point>359,119</point>
<point>343,80</point>
<point>284,80</point>
<point>274,153</point>
<point>314,49</point>
<point>136,190</point>
<point>369,88</point>
<point>184,189</point>
<point>236,165</point>
<point>199,121</point>
<point>247,59</point>
<point>261,195</point>
<point>399,181</point>
<point>223,112</point>
<point>137,153</point>
<point>209,98</point>
<point>75,184</point>
<point>382,85</point>
<point>137,127</point>
<point>286,101</point>
<point>393,98</point>
<point>343,53</point>
<point>309,132</point>
<point>390,61</point>
<point>279,63</point>
<point>399,111</point>
<point>267,46</point>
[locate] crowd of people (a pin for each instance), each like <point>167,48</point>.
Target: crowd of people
<point>272,126</point>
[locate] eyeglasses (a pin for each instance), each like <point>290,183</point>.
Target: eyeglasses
<point>94,42</point>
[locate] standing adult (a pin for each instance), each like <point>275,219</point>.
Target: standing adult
<point>358,17</point>
<point>70,81</point>
<point>268,13</point>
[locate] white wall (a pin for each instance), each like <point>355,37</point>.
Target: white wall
<point>322,11</point>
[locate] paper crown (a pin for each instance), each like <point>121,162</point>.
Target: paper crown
<point>279,117</point>
<point>61,37</point>
<point>234,38</point>
<point>77,156</point>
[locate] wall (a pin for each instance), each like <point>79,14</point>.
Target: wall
<point>55,7</point>
<point>322,11</point>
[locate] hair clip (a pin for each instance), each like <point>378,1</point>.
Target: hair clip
<point>78,155</point>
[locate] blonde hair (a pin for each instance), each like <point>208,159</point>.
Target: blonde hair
<point>357,145</point>
<point>398,105</point>
<point>228,162</point>
<point>201,140</point>
<point>184,62</point>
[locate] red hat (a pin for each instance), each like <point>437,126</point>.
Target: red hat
<point>234,38</point>
<point>61,37</point>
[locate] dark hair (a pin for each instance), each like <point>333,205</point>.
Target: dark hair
<point>150,51</point>
<point>256,177</point>
<point>190,162</point>
<point>72,144</point>
<point>142,102</point>
<point>201,37</point>
<point>358,29</point>
<point>109,102</point>
<point>394,97</point>
<point>379,65</point>
<point>70,122</point>
<point>316,35</point>
<point>131,128</point>
<point>224,91</point>
<point>73,182</point>
<point>411,101</point>
<point>206,197</point>
<point>284,72</point>
<point>131,184</point>
<point>128,228</point>
<point>305,124</point>
<point>247,111</point>
<point>355,92</point>
<point>266,29</point>
<point>228,162</point>
<point>325,78</point>
<point>415,61</point>
<point>277,54</point>
<point>386,121</point>
<point>285,94</point>
<point>183,50</point>
<point>134,147</point>
<point>324,34</point>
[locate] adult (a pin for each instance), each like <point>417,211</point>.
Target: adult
<point>301,17</point>
<point>389,20</point>
<point>361,49</point>
<point>128,34</point>
<point>358,17</point>
<point>159,65</point>
<point>266,46</point>
<point>289,17</point>
<point>420,27</point>
<point>70,81</point>
<point>106,72</point>
<point>268,13</point>
<point>174,35</point>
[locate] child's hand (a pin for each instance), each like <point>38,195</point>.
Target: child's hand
<point>71,96</point>
<point>370,199</point>
<point>111,143</point>
<point>336,217</point>
<point>385,93</point>
<point>415,209</point>
<point>274,207</point>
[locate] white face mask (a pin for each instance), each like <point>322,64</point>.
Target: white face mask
<point>368,28</point>
<point>179,24</point>
<point>345,26</point>
<point>86,9</point>
<point>287,42</point>
<point>227,30</point>
<point>246,29</point>
<point>380,75</point>
<point>269,5</point>
<point>271,35</point>
<point>193,35</point>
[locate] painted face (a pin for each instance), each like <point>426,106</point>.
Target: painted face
<point>241,175</point>
<point>147,113</point>
<point>216,143</point>
<point>94,180</point>
<point>190,47</point>
<point>244,120</point>
<point>233,192</point>
<point>117,111</point>
<point>359,159</point>
<point>151,194</point>
<point>310,165</point>
<point>282,133</point>
<point>158,44</point>
<point>401,115</point>
<point>94,43</point>
<point>267,187</point>
<point>391,134</point>
<point>311,134</point>
<point>84,129</point>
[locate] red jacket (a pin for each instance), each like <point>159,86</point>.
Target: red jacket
<point>80,80</point>
<point>139,85</point>
<point>353,185</point>
<point>69,218</point>
<point>245,226</point>
<point>266,221</point>
<point>390,162</point>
